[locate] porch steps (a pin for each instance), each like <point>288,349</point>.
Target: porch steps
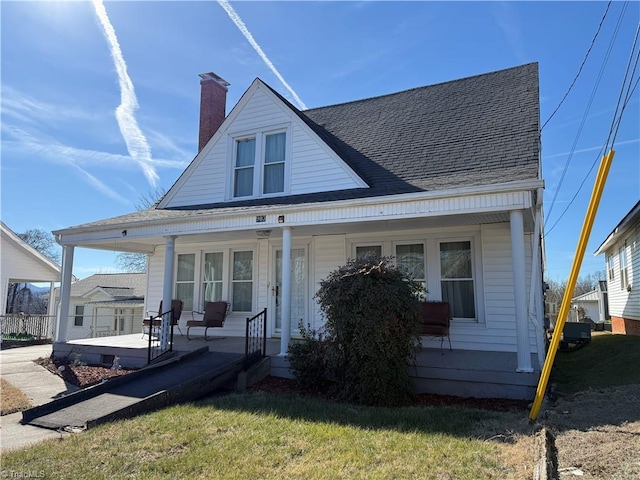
<point>182,378</point>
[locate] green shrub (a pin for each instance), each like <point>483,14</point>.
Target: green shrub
<point>372,310</point>
<point>309,359</point>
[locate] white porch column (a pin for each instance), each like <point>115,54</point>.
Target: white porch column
<point>51,307</point>
<point>62,319</point>
<point>167,288</point>
<point>520,291</point>
<point>285,296</point>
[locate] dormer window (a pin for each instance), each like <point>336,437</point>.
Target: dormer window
<point>259,164</point>
<point>274,155</point>
<point>245,159</point>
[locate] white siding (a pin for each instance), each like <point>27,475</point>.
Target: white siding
<point>328,253</point>
<point>495,330</point>
<point>313,166</point>
<point>77,332</point>
<point>623,303</point>
<point>18,266</point>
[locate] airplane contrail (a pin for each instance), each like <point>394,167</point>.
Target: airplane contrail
<point>235,18</point>
<point>137,144</point>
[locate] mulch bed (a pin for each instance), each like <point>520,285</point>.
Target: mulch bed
<point>285,385</point>
<point>81,375</point>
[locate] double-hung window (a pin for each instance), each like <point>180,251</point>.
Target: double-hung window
<point>410,259</point>
<point>185,279</point>
<point>242,282</point>
<point>259,164</point>
<point>456,278</point>
<point>274,158</point>
<point>78,319</point>
<point>624,273</point>
<point>212,277</point>
<point>610,267</point>
<point>244,167</point>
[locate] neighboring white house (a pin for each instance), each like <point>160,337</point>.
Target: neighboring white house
<point>444,178</point>
<point>106,305</point>
<point>21,263</point>
<point>622,259</point>
<point>592,305</point>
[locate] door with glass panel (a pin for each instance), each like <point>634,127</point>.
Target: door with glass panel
<point>298,289</point>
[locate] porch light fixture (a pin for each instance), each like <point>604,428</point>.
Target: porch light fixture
<point>263,233</point>
<point>280,218</point>
<point>124,233</point>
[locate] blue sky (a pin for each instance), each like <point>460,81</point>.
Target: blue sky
<point>68,158</point>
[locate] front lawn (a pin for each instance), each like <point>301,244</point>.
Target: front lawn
<point>269,436</point>
<point>608,360</point>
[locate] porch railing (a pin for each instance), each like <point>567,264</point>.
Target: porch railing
<point>255,343</point>
<point>157,336</point>
<point>38,326</point>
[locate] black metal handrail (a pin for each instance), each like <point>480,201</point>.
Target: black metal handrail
<point>155,349</point>
<point>255,340</point>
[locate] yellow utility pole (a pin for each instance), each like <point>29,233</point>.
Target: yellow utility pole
<point>598,187</point>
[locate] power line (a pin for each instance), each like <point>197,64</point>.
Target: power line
<point>586,112</point>
<point>617,118</point>
<point>575,79</point>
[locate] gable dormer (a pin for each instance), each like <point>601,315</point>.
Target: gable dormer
<point>262,149</point>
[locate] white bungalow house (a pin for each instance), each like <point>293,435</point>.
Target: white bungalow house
<point>21,263</point>
<point>622,257</point>
<point>277,198</point>
<point>106,304</point>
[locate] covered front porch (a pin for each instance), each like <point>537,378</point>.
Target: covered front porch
<point>464,373</point>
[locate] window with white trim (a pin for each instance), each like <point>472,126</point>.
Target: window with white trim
<point>259,164</point>
<point>242,282</point>
<point>456,277</point>
<point>410,259</point>
<point>245,156</point>
<point>185,282</point>
<point>610,268</point>
<point>78,319</point>
<point>366,251</point>
<point>624,273</point>
<point>274,159</point>
<point>212,277</point>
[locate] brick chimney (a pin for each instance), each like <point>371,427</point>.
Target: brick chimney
<point>213,100</point>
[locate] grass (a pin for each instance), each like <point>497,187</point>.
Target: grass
<point>13,400</point>
<point>608,360</point>
<point>268,436</point>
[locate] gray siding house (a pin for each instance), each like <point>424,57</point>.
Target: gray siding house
<point>445,178</point>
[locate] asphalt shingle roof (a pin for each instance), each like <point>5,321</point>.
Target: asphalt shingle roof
<point>479,130</point>
<point>118,284</point>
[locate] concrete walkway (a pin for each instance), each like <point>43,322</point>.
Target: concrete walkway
<point>38,384</point>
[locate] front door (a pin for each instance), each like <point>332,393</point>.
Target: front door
<point>298,289</point>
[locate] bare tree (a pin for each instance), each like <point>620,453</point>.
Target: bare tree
<point>132,262</point>
<point>137,262</point>
<point>42,241</point>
